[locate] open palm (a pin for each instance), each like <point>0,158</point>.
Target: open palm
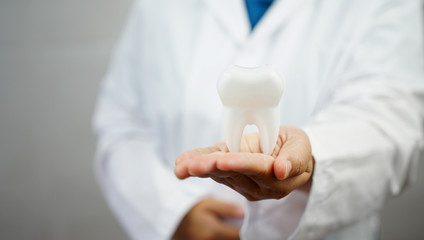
<point>254,175</point>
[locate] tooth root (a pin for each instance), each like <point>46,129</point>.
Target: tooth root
<point>267,120</point>
<point>234,124</point>
<point>268,123</point>
<point>251,96</point>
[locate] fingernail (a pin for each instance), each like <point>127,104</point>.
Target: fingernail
<point>288,169</point>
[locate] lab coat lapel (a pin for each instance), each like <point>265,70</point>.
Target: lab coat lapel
<point>232,17</point>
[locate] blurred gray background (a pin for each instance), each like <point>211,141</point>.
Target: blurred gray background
<point>53,54</point>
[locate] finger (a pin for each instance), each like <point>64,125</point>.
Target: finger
<point>218,174</point>
<point>227,232</point>
<point>182,162</point>
<point>225,209</point>
<point>204,164</point>
<point>295,155</point>
<point>181,170</point>
<point>247,163</point>
<point>222,146</point>
<point>195,152</point>
<point>251,143</point>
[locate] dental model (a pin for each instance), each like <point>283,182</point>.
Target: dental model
<point>251,96</point>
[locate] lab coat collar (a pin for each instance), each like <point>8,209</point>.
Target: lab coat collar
<point>234,20</point>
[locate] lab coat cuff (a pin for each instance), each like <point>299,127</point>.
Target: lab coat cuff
<point>320,188</point>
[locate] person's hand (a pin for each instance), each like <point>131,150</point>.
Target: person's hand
<point>205,221</point>
<point>254,175</point>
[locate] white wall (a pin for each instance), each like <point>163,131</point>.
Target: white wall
<point>53,54</point>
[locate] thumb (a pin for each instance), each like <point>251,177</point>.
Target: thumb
<point>225,209</point>
<point>295,153</point>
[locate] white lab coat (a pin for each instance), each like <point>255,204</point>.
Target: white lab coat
<point>354,83</point>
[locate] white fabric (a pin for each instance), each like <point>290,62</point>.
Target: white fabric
<point>354,82</point>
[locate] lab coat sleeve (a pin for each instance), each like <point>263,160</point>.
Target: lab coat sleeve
<point>140,187</point>
<point>367,132</point>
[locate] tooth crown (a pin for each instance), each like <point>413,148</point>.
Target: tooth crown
<point>251,96</point>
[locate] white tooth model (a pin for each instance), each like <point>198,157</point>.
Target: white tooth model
<point>251,96</point>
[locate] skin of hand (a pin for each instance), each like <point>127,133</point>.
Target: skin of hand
<point>205,221</point>
<point>254,175</point>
